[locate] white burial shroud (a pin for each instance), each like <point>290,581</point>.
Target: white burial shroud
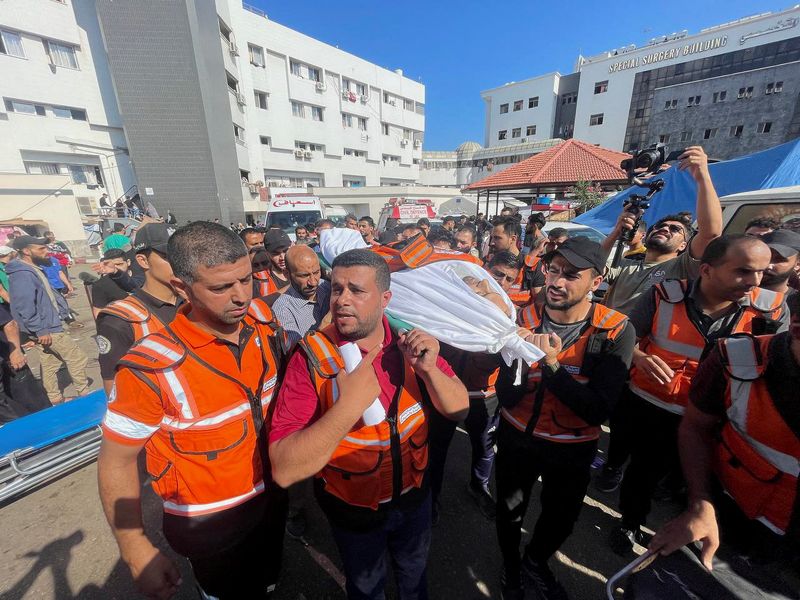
<point>435,299</point>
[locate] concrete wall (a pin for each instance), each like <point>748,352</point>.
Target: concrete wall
<point>45,198</point>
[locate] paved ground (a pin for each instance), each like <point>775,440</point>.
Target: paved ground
<point>55,543</point>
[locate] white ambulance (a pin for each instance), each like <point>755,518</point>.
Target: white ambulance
<point>289,208</point>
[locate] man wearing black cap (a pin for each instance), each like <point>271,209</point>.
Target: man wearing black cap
<point>41,314</point>
<point>275,279</point>
<point>147,310</point>
<point>550,423</point>
<point>785,246</point>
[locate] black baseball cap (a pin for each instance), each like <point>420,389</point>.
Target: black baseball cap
<point>581,253</point>
<point>152,236</point>
<point>23,241</point>
<point>784,241</point>
<point>275,239</point>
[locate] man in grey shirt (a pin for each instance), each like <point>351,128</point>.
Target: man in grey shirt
<point>672,252</point>
<point>306,302</point>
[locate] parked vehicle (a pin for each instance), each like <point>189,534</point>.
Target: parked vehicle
<point>292,207</point>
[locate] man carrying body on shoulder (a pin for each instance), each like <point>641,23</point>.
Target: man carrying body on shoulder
<point>740,449</point>
<point>351,222</point>
<point>676,322</point>
<point>550,425</point>
<point>785,247</point>
<point>366,226</point>
<point>318,429</point>
<point>672,253</point>
<point>148,309</point>
<point>306,303</point>
<point>196,396</point>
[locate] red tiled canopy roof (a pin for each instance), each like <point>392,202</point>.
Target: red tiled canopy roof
<point>560,165</point>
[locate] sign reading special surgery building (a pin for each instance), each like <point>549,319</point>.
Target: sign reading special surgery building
<point>656,57</point>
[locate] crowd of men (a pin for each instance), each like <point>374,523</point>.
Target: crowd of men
<point>244,366</point>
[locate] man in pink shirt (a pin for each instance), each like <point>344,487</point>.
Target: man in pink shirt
<point>370,474</point>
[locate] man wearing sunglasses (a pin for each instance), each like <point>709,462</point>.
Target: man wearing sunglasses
<point>148,309</point>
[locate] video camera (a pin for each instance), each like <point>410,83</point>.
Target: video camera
<point>648,161</point>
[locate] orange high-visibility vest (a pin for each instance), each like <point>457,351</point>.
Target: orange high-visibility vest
<point>418,253</point>
<point>679,343</point>
<point>134,311</point>
<point>205,456</point>
<point>263,284</point>
<point>758,454</point>
<point>372,464</point>
<point>540,412</point>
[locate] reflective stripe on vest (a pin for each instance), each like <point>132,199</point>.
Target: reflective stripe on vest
<point>196,510</point>
<point>675,291</point>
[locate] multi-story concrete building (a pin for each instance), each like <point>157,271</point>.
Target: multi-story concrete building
<point>734,88</point>
<point>198,102</point>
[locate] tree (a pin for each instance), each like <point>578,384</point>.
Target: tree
<point>586,194</point>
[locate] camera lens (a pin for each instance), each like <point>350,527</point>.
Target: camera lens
<point>646,159</point>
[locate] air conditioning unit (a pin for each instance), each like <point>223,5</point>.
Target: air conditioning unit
<point>364,98</point>
<point>417,143</point>
<point>241,99</point>
<point>321,87</point>
<point>404,142</point>
<point>233,48</point>
<point>298,153</point>
<point>308,154</point>
<point>253,188</point>
<point>524,141</point>
<point>393,102</point>
<point>364,137</point>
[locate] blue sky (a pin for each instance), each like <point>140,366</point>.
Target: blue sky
<point>459,48</point>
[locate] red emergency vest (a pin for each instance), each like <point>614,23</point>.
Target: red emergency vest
<point>678,342</point>
<point>205,457</point>
<point>758,454</point>
<point>134,311</point>
<point>417,253</point>
<point>372,464</point>
<point>540,412</point>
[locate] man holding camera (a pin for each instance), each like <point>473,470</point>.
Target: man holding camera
<point>672,253</point>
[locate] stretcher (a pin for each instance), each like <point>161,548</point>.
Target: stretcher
<point>38,448</point>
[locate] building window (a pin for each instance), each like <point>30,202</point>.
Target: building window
<point>533,102</point>
<point>516,132</point>
<point>686,136</point>
<point>295,68</point>
<point>261,99</point>
<point>265,140</point>
<point>310,147</point>
<point>664,138</point>
<point>61,55</point>
<point>693,101</point>
<point>639,114</point>
<point>355,153</point>
<point>774,88</point>
<point>408,104</point>
<point>352,182</point>
<point>501,135</point>
<point>256,55</point>
<point>390,158</point>
<point>316,113</point>
<point>238,133</point>
<point>233,84</point>
<point>736,131</point>
<point>362,123</point>
<point>745,93</point>
<point>719,96</point>
<point>503,109</point>
<point>710,133</point>
<point>11,44</point>
<point>385,128</point>
<point>517,105</point>
<point>596,119</point>
<point>530,130</point>
<point>25,108</point>
<point>298,110</point>
<point>601,87</point>
<point>314,74</point>
<point>389,99</point>
<point>765,127</point>
<point>63,112</point>
<point>671,104</point>
<point>570,98</point>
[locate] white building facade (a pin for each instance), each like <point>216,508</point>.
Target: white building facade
<point>58,111</point>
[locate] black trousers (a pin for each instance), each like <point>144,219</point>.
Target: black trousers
<point>440,434</point>
<point>481,425</point>
<point>237,553</point>
<point>565,472</point>
<point>654,454</point>
<point>622,431</point>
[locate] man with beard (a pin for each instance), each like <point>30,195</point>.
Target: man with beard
<point>466,240</point>
<point>449,223</point>
<point>504,238</point>
<point>350,222</point>
<point>196,396</point>
<point>370,479</point>
<point>672,253</point>
<point>676,322</point>
<point>41,313</point>
<point>303,306</point>
<point>550,424</point>
<point>366,226</point>
<point>276,243</point>
<point>785,246</point>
